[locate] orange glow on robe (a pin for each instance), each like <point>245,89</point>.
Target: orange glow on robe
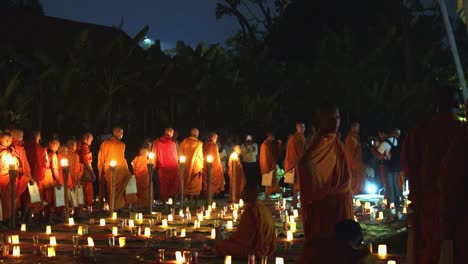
<point>37,159</point>
<point>5,189</point>
<point>294,151</point>
<point>240,177</point>
<point>114,150</point>
<point>255,234</point>
<point>217,173</point>
<point>165,150</point>
<point>353,152</point>
<point>269,155</point>
<point>192,149</point>
<point>86,157</point>
<point>325,184</point>
<point>24,172</point>
<point>140,168</point>
<point>76,167</point>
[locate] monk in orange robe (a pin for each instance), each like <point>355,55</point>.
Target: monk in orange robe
<point>140,169</point>
<point>353,152</point>
<point>53,178</point>
<point>325,181</point>
<point>24,171</point>
<point>37,158</point>
<point>235,166</point>
<point>210,148</point>
<point>269,156</point>
<point>434,160</point>
<point>76,167</point>
<point>192,149</point>
<point>255,233</point>
<point>7,157</point>
<point>88,177</point>
<point>294,150</point>
<point>166,163</point>
<point>113,149</point>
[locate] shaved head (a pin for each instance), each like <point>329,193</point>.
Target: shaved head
<point>194,132</point>
<point>169,132</point>
<point>5,139</point>
<point>17,134</point>
<point>118,132</point>
<point>329,116</point>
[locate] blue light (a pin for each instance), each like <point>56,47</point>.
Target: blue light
<point>371,188</point>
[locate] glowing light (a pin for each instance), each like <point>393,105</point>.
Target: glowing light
<point>23,227</point>
<point>213,205</point>
<point>170,218</point>
<point>234,156</point>
<point>229,225</point>
<point>52,241</point>
<point>114,216</point>
<point>279,261</point>
<point>15,239</point>
<point>207,214</point>
<point>183,232</point>
<point>405,211</point>
<point>151,156</point>
<point>80,231</point>
<point>179,258</point>
<point>227,259</point>
<point>164,223</point>
<point>10,160</point>
<point>182,159</point>
<point>358,203</point>
<point>292,219</point>
<point>371,188</point>
<point>289,236</point>
<point>295,213</point>
<point>170,202</point>
<point>241,203</point>
<point>122,242</point>
<point>213,233</point>
<point>113,163</point>
<point>102,222</point>
<point>147,232</point>
<point>48,230</point>
<point>131,223</point>
<point>90,242</point>
<point>209,159</point>
<point>64,162</point>
<point>71,221</point>
<point>391,262</point>
<point>381,216</point>
<point>382,250</point>
<point>293,227</point>
<point>51,252</point>
<point>115,231</point>
<point>16,251</point>
<point>234,215</point>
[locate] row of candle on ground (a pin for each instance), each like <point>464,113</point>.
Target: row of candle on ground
<point>383,204</point>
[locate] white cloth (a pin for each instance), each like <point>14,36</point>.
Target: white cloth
<point>385,147</point>
<point>222,155</point>
<point>249,153</point>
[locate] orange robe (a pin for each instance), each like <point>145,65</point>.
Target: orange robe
<point>435,161</point>
<point>255,234</point>
<point>325,183</point>
<point>239,183</point>
<point>86,157</point>
<point>217,173</point>
<point>294,151</point>
<point>353,152</point>
<point>37,158</point>
<point>76,168</point>
<point>5,189</point>
<point>269,155</point>
<point>192,149</point>
<point>24,172</point>
<point>165,150</point>
<point>114,150</point>
<point>140,168</point>
<point>48,183</point>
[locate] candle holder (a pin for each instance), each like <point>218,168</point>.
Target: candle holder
<point>113,170</point>
<point>12,172</point>
<point>209,169</point>
<point>150,166</point>
<point>65,171</point>
<point>182,160</point>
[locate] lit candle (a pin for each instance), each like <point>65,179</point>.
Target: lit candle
<point>371,210</point>
<point>195,224</point>
<point>227,260</point>
<point>382,250</point>
<point>381,216</point>
<point>367,206</point>
<point>295,213</point>
<point>121,242</point>
<point>15,239</point>
<point>210,208</point>
<point>289,236</point>
<point>293,227</point>
<point>16,251</point>
<point>131,223</point>
<point>102,222</point>
<point>200,217</point>
<point>384,202</point>
<point>213,233</point>
<point>164,223</point>
<point>169,201</point>
<point>358,203</point>
<point>181,213</point>
<point>11,162</point>
<point>405,211</point>
<point>391,262</point>
<point>151,158</point>
<point>229,225</point>
<point>90,242</point>
<point>179,258</point>
<point>114,215</point>
<point>182,232</point>
<point>213,205</point>
<point>279,261</point>
<point>355,219</point>
<point>115,231</point>
<point>170,218</point>
<point>236,206</point>
<point>48,230</point>
<point>241,203</point>
<point>207,214</point>
<point>147,232</point>
<point>71,221</point>
<point>140,217</point>
<point>80,231</point>
<point>23,227</point>
<point>52,241</point>
<point>234,215</point>
<point>291,219</point>
<point>51,252</point>
<point>392,205</point>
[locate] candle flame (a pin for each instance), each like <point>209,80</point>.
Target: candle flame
<point>182,159</point>
<point>209,159</point>
<point>64,162</point>
<point>90,242</point>
<point>113,163</point>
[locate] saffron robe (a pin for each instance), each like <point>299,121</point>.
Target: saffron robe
<point>269,156</point>
<point>140,169</point>
<point>37,159</point>
<point>166,162</point>
<point>192,149</point>
<point>255,234</point>
<point>295,149</point>
<point>217,172</point>
<point>114,150</point>
<point>325,185</point>
<point>5,189</point>
<point>434,160</point>
<point>76,168</point>
<point>86,158</point>
<point>24,171</point>
<point>239,181</point>
<point>353,153</point>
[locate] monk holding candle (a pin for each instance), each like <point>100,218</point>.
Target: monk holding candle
<point>269,156</point>
<point>76,167</point>
<point>255,233</point>
<point>235,166</point>
<point>324,178</point>
<point>113,149</point>
<point>88,177</point>
<point>210,148</point>
<point>192,149</point>
<point>353,153</point>
<point>7,158</point>
<point>434,160</point>
<point>53,177</point>
<point>140,169</point>
<point>37,158</point>
<point>165,150</point>
<point>294,150</point>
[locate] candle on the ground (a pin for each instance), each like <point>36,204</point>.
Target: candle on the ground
<point>200,217</point>
<point>15,239</point>
<point>80,230</point>
<point>213,233</point>
<point>358,203</point>
<point>131,223</point>
<point>234,215</point>
<point>48,230</point>
<point>295,213</point>
<point>50,252</point>
<point>102,222</point>
<point>115,231</point>
<point>147,232</point>
<point>164,223</point>
<point>71,221</point>
<point>169,201</point>
<point>291,219</point>
<point>392,205</point>
<point>355,219</point>
<point>121,241</point>
<point>140,217</point>
<point>181,213</point>
<point>52,241</point>
<point>182,232</point>
<point>213,205</point>
<point>207,214</point>
<point>210,208</point>
<point>289,236</point>
<point>391,262</point>
<point>236,206</point>
<point>382,250</point>
<point>279,261</point>
<point>195,224</point>
<point>229,225</point>
<point>16,251</point>
<point>170,218</point>
<point>227,259</point>
<point>90,242</point>
<point>405,211</point>
<point>367,205</point>
<point>179,258</point>
<point>381,216</point>
<point>114,215</point>
<point>241,203</point>
<point>23,227</point>
<point>384,201</point>
<point>293,227</point>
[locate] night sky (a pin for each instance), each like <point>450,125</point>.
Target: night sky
<point>193,21</point>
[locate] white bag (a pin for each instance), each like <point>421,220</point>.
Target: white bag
<point>131,186</point>
<point>267,179</point>
<point>289,177</point>
<point>34,193</point>
<point>79,194</point>
<point>74,199</point>
<point>59,197</point>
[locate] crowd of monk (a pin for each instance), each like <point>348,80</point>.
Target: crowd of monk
<point>326,174</point>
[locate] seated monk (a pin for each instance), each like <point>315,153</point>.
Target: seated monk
<point>346,248</point>
<point>255,233</point>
